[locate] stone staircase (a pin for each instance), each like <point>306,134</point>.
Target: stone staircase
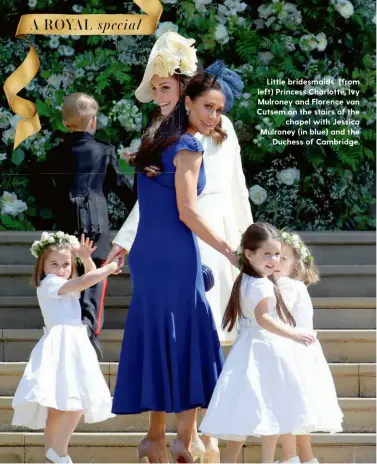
<point>344,304</point>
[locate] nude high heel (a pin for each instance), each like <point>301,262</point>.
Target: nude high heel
<point>144,448</point>
<point>212,454</point>
<point>197,450</point>
<point>179,452</point>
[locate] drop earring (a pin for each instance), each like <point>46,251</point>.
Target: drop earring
<point>187,111</point>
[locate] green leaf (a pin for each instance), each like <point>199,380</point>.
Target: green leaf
<point>31,211</point>
<point>43,109</point>
<point>18,156</point>
<point>45,213</point>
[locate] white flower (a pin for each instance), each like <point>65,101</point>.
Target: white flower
<point>167,26</point>
<point>3,156</point>
<point>289,176</point>
<point>54,80</point>
<point>65,50</point>
<point>5,118</point>
<point>80,72</point>
<point>257,194</point>
<point>169,1</point>
<point>8,136</point>
<point>60,234</point>
<point>264,11</point>
<point>165,63</point>
<point>246,95</point>
<point>14,120</point>
<point>54,42</point>
<point>103,120</point>
<point>265,57</point>
<point>133,147</point>
<point>321,41</point>
<point>33,3</point>
<point>201,5</point>
<point>77,8</point>
<point>51,239</point>
<point>308,42</point>
<point>221,34</point>
<point>11,206</point>
<point>45,236</point>
<point>73,241</point>
<point>345,8</point>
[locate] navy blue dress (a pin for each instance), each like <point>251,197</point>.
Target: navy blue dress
<point>171,356</point>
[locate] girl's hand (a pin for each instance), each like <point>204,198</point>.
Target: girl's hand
<point>117,262</point>
<point>86,248</point>
<point>305,338</point>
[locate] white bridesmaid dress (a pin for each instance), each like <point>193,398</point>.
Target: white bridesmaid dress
<point>63,370</point>
<point>316,372</point>
<point>225,206</point>
<point>261,389</point>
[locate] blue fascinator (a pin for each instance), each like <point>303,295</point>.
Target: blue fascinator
<point>230,82</point>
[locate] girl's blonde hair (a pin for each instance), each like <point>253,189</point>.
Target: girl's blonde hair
<point>78,109</point>
<point>305,269</point>
<point>306,272</point>
<point>38,272</point>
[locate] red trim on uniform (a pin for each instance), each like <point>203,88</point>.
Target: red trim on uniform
<point>101,304</point>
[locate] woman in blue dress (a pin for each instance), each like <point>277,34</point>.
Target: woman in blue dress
<point>171,355</point>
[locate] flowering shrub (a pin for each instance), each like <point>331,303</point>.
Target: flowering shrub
<point>309,187</point>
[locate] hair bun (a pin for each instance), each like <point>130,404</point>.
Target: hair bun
<point>230,82</point>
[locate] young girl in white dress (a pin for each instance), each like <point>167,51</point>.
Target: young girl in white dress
<point>260,391</point>
<point>62,380</point>
<point>295,271</point>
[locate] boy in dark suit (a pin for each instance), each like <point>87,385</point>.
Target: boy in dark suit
<point>79,173</point>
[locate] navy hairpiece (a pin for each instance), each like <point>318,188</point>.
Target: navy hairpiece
<point>230,82</point>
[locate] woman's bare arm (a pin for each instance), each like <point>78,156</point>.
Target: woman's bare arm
<point>186,179</point>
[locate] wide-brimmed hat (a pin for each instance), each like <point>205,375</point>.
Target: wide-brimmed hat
<point>171,54</point>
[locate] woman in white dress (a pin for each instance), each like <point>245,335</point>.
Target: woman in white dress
<point>224,202</point>
<point>295,271</point>
<point>62,380</point>
<point>261,390</point>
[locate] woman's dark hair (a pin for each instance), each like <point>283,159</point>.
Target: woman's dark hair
<point>176,124</point>
<point>252,240</point>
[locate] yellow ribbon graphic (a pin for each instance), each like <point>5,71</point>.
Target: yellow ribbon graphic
<point>59,24</point>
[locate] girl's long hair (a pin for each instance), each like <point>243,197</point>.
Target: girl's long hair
<point>252,240</point>
<point>306,272</point>
<point>176,124</point>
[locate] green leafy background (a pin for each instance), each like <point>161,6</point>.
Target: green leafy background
<point>335,187</point>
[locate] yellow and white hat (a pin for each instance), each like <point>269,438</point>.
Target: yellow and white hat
<point>171,54</point>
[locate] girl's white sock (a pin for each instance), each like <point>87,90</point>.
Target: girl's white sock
<point>312,461</point>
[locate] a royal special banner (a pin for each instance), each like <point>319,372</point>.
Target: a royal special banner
<point>67,24</point>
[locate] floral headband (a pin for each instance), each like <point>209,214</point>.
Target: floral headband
<point>54,238</point>
<point>176,55</point>
<point>294,241</point>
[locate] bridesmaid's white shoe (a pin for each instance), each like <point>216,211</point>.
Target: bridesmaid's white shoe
<point>293,460</point>
<point>312,461</point>
<point>52,456</point>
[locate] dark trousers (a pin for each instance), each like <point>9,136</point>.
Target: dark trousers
<point>92,302</point>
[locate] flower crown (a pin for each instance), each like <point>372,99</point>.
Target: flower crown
<point>54,238</point>
<point>294,241</point>
<point>176,55</point>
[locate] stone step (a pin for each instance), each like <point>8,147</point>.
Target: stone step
<point>22,312</point>
<point>341,346</point>
<point>333,247</point>
<point>121,447</point>
<point>359,417</point>
<point>336,281</point>
<point>352,380</point>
